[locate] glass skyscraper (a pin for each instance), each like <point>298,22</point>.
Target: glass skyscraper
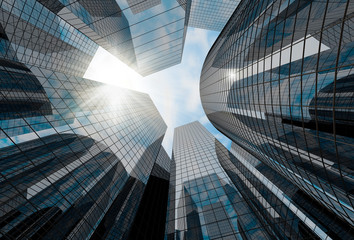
<point>212,15</point>
<point>151,215</point>
<point>278,82</point>
<point>286,208</point>
<point>81,169</point>
<point>35,35</point>
<point>79,159</point>
<point>158,28</point>
<point>205,203</point>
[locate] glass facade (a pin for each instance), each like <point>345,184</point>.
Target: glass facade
<point>80,159</point>
<point>150,223</point>
<point>212,15</point>
<point>278,82</point>
<point>32,34</point>
<point>289,211</point>
<point>137,6</point>
<point>171,214</point>
<point>104,22</point>
<point>158,33</point>
<point>77,157</point>
<point>158,28</point>
<point>83,160</point>
<point>62,172</point>
<point>206,204</point>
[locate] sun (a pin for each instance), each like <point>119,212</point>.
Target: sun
<point>108,69</point>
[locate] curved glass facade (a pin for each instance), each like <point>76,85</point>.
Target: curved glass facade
<point>285,207</point>
<point>279,82</point>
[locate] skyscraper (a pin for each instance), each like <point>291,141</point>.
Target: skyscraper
<point>67,173</point>
<point>221,194</point>
<point>34,35</point>
<point>151,215</point>
<point>206,204</point>
<point>278,82</point>
<point>211,15</point>
<point>289,211</point>
<point>76,155</point>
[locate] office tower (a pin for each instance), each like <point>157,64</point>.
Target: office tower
<point>82,170</point>
<point>278,82</point>
<point>211,15</point>
<point>290,212</point>
<point>150,223</point>
<point>77,156</point>
<point>146,35</point>
<point>158,33</point>
<point>32,34</point>
<point>171,214</point>
<point>207,205</point>
<point>137,6</point>
<point>104,22</point>
<point>158,28</point>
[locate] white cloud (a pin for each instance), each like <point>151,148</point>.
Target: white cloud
<point>200,38</point>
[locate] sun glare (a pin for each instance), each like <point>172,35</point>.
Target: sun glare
<point>113,96</point>
<point>232,76</point>
<point>106,68</point>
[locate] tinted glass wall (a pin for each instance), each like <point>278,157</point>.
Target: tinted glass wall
<point>150,219</point>
<point>63,172</point>
<point>290,212</point>
<point>34,34</point>
<point>75,155</point>
<point>212,15</point>
<point>278,81</point>
<point>207,205</point>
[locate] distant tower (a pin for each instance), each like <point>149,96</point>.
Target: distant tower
<point>207,203</point>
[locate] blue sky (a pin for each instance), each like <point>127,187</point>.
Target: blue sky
<point>175,91</point>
